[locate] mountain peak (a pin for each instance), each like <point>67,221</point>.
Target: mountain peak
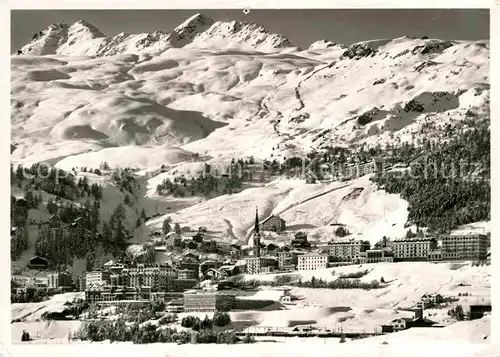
<point>84,29</point>
<point>324,44</point>
<point>84,39</point>
<point>197,19</point>
<point>189,29</point>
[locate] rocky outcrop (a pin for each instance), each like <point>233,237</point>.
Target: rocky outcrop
<point>367,117</point>
<point>358,51</point>
<point>414,106</point>
<point>432,47</point>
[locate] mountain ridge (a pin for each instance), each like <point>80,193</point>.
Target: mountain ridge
<point>83,38</point>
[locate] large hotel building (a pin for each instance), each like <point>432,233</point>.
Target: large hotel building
<point>460,246</point>
<point>348,250</point>
<point>414,248</point>
<point>312,261</point>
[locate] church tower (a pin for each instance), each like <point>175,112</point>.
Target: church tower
<point>256,236</point>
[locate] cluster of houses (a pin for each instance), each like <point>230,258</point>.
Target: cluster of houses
<point>300,254</point>
<point>174,273</point>
<point>61,281</point>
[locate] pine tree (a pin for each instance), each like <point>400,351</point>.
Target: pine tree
<point>29,196</point>
<point>177,228</point>
<point>52,206</point>
<point>107,236</point>
<point>166,227</point>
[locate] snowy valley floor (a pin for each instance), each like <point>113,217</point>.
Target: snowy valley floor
<point>464,339</point>
<point>368,309</point>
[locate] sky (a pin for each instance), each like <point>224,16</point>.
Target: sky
<point>301,26</point>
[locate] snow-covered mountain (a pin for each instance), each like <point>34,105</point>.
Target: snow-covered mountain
<point>230,89</point>
<point>82,38</point>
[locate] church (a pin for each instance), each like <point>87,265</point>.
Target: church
<point>258,264</point>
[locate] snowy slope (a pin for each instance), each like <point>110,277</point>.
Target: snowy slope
<point>226,86</point>
<point>230,89</point>
<point>368,309</point>
<point>368,214</point>
<point>422,342</point>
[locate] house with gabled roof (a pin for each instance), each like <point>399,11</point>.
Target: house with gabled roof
<point>215,273</point>
<point>273,223</point>
<point>190,255</point>
<point>38,262</point>
<point>54,221</point>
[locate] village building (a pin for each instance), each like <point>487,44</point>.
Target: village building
<point>175,306</point>
<point>271,249</point>
<point>199,301</point>
<point>81,283</point>
<point>161,255</point>
<point>464,246</point>
<point>414,249</point>
<point>429,300</point>
<point>184,284</point>
<point>20,280</point>
<point>39,282</point>
<point>189,256</point>
<point>96,277</point>
<point>274,224</point>
<point>288,260</point>
<point>117,268</point>
<point>116,280</point>
<point>401,323</point>
<point>54,221</point>
<point>258,265</point>
<point>376,256</point>
<point>418,320</point>
<point>224,247</point>
<point>159,277</point>
<point>93,292</point>
<point>235,251</point>
<point>312,261</point>
<point>216,274</point>
<point>208,264</point>
<point>230,270</point>
<point>61,280</point>
<point>435,255</point>
<point>405,323</point>
<point>300,241</point>
<point>347,250</point>
<point>477,311</point>
<point>187,274</point>
<point>38,263</point>
<point>190,264</point>
<point>106,266</point>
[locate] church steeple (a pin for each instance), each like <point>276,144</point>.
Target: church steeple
<point>256,227</point>
<point>256,235</point>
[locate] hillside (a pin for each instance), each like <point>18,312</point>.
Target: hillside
<point>198,95</point>
<point>365,211</point>
<point>205,92</point>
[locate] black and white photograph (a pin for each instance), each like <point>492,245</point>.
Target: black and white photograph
<point>250,181</point>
